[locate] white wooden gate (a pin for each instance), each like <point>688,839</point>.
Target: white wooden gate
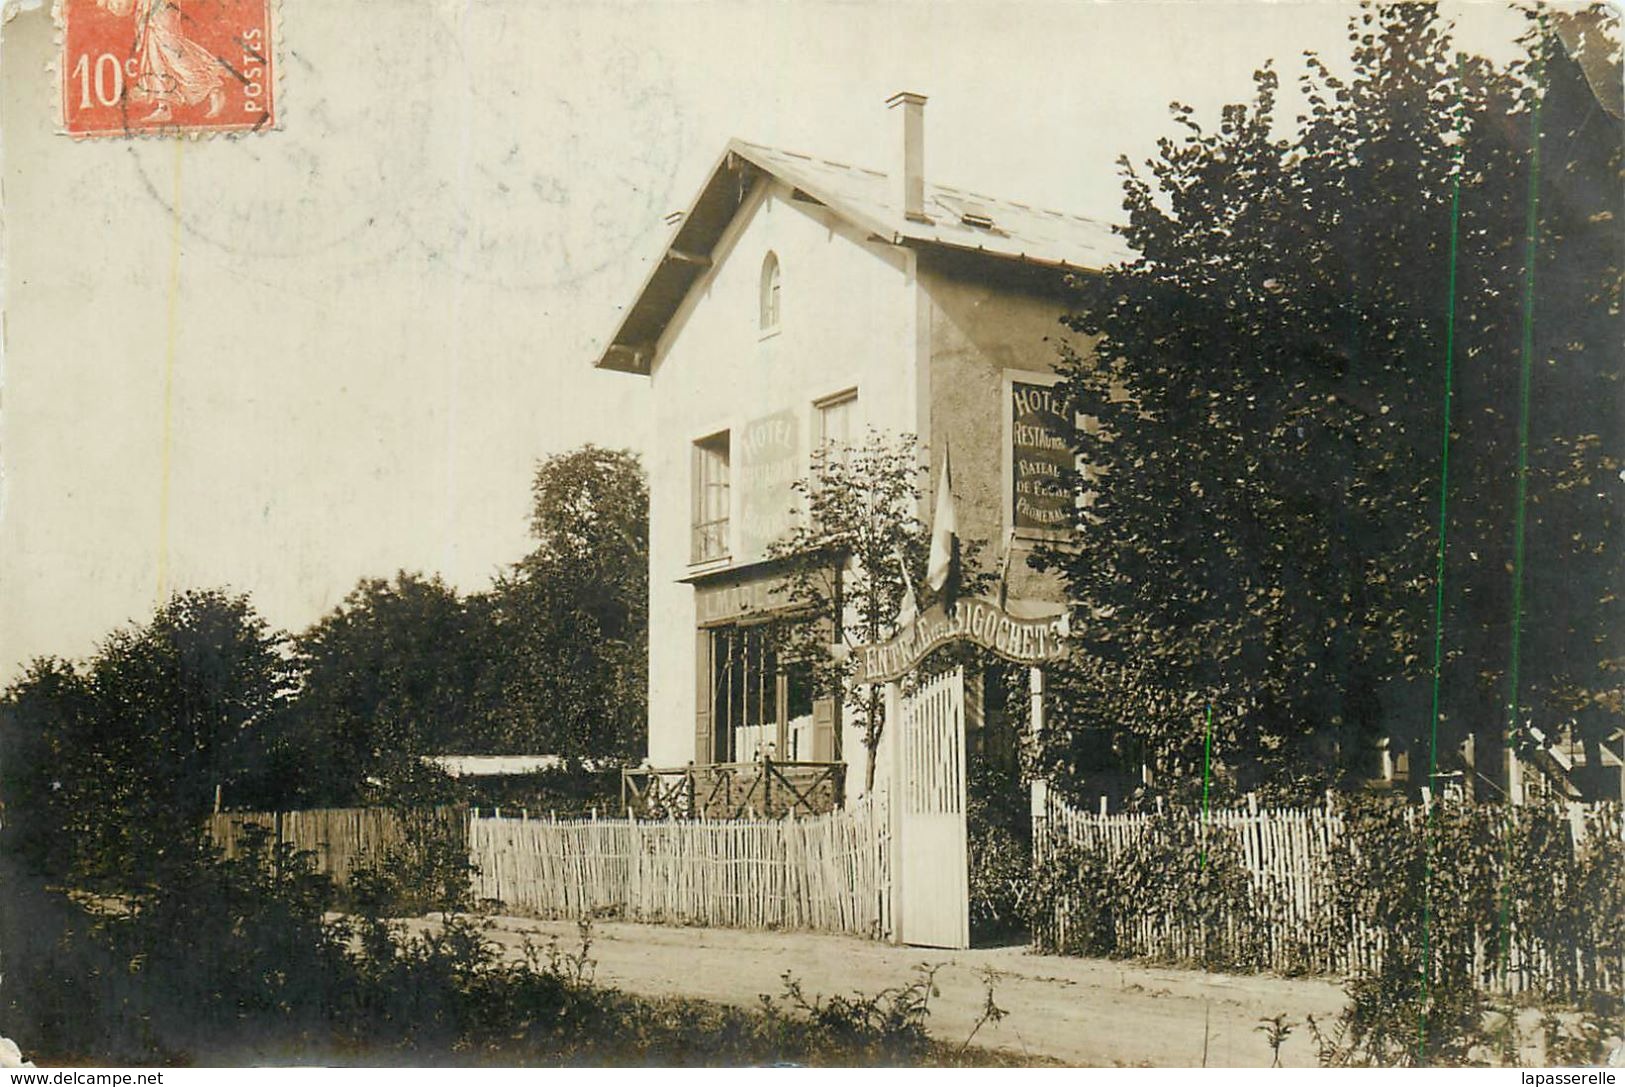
<point>932,867</point>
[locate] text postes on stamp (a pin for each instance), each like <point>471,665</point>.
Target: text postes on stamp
<point>133,67</point>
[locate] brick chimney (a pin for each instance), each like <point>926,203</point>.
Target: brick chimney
<point>913,108</point>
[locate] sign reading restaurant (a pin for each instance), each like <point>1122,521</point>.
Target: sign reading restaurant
<point>1041,422</point>
<point>975,619</point>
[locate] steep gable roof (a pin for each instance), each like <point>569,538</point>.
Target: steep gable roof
<point>869,200</point>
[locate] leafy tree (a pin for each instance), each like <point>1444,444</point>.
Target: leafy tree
<point>45,720</point>
<point>844,560</point>
<point>551,660</point>
<point>567,648</point>
<point>389,675</point>
<point>1262,515</point>
<point>1574,619</point>
<point>120,760</point>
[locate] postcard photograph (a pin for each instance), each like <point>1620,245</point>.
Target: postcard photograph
<point>729,534</point>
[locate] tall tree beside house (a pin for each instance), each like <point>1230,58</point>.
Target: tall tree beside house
<point>118,760</point>
<point>568,628</point>
<point>856,528</point>
<point>1575,614</point>
<point>1263,516</point>
<point>387,676</point>
<point>551,660</point>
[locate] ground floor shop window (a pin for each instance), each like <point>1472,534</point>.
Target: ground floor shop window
<point>753,704</point>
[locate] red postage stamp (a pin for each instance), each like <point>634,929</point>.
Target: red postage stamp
<point>154,66</point>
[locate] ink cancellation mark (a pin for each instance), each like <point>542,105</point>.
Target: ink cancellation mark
<point>159,67</point>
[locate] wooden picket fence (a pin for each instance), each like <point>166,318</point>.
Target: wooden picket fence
<point>1294,922</point>
<point>830,873</point>
<point>338,838</point>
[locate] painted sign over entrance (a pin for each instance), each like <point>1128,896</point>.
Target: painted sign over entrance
<point>740,600</point>
<point>977,619</point>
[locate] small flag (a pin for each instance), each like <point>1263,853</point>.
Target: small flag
<point>943,568</point>
<point>910,606</point>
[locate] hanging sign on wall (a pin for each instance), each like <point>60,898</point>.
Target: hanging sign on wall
<point>1040,455</point>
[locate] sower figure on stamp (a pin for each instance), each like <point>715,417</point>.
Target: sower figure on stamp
<point>170,67</point>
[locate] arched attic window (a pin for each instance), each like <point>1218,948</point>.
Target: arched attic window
<point>768,316</point>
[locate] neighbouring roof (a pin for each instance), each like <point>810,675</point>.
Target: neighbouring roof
<point>869,200</point>
<point>459,766</point>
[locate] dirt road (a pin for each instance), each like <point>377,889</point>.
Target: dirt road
<point>1077,1011</point>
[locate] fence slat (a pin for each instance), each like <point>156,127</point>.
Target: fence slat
<point>338,839</point>
<point>1289,856</point>
<point>828,872</point>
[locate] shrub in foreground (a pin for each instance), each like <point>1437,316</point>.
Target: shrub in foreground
<point>237,962</point>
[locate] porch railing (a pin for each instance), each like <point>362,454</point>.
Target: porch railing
<point>767,789</point>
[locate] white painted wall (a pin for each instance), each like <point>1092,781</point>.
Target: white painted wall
<point>848,320</point>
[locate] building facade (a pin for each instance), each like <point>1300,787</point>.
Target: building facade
<point>798,303</point>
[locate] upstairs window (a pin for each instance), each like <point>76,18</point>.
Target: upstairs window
<point>711,498</point>
<point>836,419</point>
<point>768,316</point>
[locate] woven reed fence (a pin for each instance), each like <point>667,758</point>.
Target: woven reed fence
<point>830,873</point>
<point>340,838</point>
<point>1293,916</point>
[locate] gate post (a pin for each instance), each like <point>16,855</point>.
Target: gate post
<point>1039,812</point>
<point>1040,787</point>
<point>893,739</point>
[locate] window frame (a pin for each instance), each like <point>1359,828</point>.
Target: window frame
<point>710,452</point>
<point>758,693</point>
<point>819,442</point>
<point>770,296</point>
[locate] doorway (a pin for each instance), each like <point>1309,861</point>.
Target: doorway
<point>999,826</point>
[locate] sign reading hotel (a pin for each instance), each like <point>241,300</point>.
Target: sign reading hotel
<point>1041,452</point>
<point>977,619</point>
<point>769,461</point>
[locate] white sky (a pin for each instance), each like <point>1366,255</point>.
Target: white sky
<point>375,321</point>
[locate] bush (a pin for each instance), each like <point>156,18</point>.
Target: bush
<point>571,791</point>
<point>886,1028</point>
<point>427,871</point>
<point>1466,896</point>
<point>1000,882</point>
<point>999,826</point>
<point>1182,889</point>
<point>1523,898</point>
<point>1066,914</point>
<point>204,958</point>
<point>232,962</point>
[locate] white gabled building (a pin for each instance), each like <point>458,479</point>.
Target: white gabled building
<point>800,301</point>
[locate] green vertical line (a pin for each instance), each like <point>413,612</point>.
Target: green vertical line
<point>1438,573</point>
<point>1526,369</point>
<point>1207,762</point>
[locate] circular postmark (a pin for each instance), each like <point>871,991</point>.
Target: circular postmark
<point>459,159</point>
